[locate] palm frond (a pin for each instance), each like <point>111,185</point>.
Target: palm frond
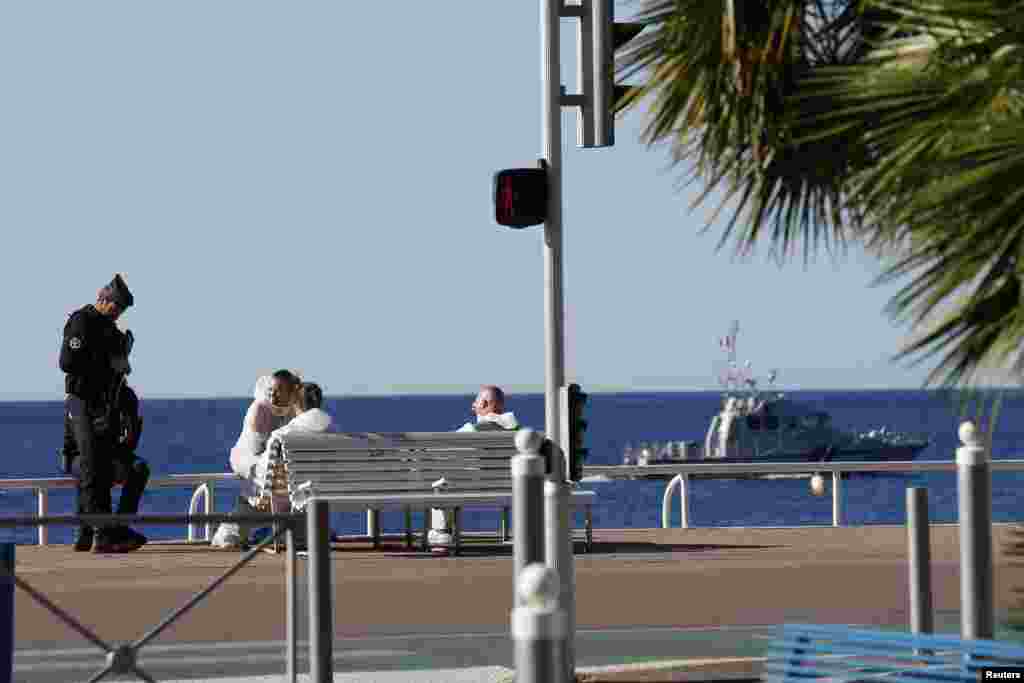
<point>896,123</point>
<point>718,95</point>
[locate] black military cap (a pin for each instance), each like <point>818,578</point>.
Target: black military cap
<point>120,293</point>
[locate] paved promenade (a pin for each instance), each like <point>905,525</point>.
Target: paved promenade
<point>643,594</point>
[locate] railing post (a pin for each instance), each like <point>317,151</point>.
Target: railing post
<point>838,503</point>
<point>204,490</point>
<point>974,492</point>
<point>527,505</point>
<point>42,509</point>
<point>208,506</point>
<point>291,605</point>
<point>538,625</point>
<point>919,553</point>
<point>321,627</point>
<point>684,502</point>
<point>666,502</point>
<point>7,612</point>
<point>373,526</point>
<point>683,481</point>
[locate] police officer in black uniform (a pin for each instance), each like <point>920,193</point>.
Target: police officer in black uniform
<point>94,357</point>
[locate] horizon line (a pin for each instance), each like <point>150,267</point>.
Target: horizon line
<point>528,391</point>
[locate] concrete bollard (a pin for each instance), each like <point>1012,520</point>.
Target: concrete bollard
<point>538,626</point>
<point>6,612</point>
<point>974,493</point>
<point>920,561</point>
<point>527,505</point>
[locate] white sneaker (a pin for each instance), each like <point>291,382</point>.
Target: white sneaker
<point>439,537</point>
<point>227,537</point>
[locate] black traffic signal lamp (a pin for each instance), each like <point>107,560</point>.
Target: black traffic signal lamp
<point>577,401</point>
<point>521,196</point>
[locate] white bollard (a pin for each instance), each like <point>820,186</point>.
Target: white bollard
<point>538,626</point>
<point>527,504</point>
<point>558,553</point>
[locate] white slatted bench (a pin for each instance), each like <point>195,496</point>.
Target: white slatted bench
<point>361,471</point>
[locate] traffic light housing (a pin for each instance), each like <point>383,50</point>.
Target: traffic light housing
<point>521,196</point>
<point>574,407</point>
<point>608,38</point>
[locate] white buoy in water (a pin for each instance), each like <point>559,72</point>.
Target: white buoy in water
<point>818,484</point>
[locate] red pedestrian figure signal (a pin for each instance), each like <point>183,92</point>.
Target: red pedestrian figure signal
<point>520,197</point>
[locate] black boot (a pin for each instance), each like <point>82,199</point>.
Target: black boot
<point>83,539</point>
<point>133,538</point>
<point>117,539</point>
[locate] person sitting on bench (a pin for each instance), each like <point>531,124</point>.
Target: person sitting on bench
<point>311,418</point>
<point>273,406</point>
<point>489,408</point>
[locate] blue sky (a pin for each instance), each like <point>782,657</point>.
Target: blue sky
<point>307,185</point>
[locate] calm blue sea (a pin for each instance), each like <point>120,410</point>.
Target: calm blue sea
<point>195,435</point>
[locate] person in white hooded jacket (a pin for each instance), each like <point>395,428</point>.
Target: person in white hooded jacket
<point>489,409</point>
<point>312,419</point>
<point>311,415</point>
<point>308,399</point>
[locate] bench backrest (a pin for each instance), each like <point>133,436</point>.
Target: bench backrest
<point>361,463</point>
<point>841,653</point>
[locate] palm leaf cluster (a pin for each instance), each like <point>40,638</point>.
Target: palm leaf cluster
<point>896,124</point>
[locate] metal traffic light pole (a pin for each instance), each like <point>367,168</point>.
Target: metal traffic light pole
<point>551,98</point>
<point>558,549</point>
<point>596,42</point>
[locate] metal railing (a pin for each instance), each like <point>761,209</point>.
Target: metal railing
<point>203,491</point>
<point>684,470</point>
<point>123,658</point>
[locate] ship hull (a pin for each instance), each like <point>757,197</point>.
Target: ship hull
<point>890,453</point>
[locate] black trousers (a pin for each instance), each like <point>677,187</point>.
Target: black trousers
<point>99,462</point>
<point>133,474</point>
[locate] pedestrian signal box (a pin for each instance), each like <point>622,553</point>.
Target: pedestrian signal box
<point>520,197</point>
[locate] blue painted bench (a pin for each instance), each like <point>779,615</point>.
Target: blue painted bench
<point>843,654</point>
